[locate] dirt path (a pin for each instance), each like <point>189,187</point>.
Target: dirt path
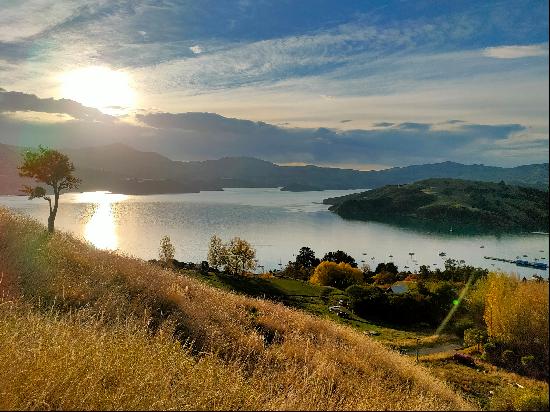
<point>442,348</point>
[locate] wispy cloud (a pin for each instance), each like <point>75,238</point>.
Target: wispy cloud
<point>403,68</point>
<point>196,49</point>
<point>516,52</point>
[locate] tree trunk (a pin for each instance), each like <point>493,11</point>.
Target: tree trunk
<point>53,212</point>
<point>51,220</point>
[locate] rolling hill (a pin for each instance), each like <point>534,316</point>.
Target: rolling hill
<point>88,329</point>
<point>442,204</point>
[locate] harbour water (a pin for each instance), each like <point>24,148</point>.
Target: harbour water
<point>277,223</point>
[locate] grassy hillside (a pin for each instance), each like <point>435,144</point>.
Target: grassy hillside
<point>440,204</point>
<point>89,329</point>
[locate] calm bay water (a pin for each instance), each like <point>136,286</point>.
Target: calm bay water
<point>276,223</point>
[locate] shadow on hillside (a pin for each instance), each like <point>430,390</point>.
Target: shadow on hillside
<point>252,286</point>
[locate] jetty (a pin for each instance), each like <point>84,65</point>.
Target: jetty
<point>520,262</point>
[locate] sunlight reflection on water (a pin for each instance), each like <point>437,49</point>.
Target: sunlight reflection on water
<point>101,228</point>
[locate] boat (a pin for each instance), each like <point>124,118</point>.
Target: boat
<point>482,247</point>
<point>442,254</point>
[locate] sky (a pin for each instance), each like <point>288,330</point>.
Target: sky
<point>362,84</point>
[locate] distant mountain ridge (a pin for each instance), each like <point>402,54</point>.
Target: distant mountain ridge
<point>123,169</point>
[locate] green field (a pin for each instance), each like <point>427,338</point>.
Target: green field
<point>316,300</point>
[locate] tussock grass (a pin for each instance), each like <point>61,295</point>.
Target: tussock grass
<point>96,330</point>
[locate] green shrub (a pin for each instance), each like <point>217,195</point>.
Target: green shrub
<point>475,336</point>
<point>460,326</point>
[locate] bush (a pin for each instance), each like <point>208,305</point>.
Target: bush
<point>491,352</point>
<point>528,363</point>
<point>519,399</point>
<point>385,278</point>
<point>474,337</point>
<point>509,359</point>
<point>367,301</point>
<point>339,275</point>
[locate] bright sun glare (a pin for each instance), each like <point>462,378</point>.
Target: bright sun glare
<point>105,89</point>
<point>101,228</point>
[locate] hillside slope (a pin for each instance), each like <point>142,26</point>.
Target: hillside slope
<point>442,204</point>
<point>96,330</point>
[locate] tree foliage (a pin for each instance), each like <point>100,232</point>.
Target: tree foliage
<point>516,315</point>
<point>389,267</point>
<point>237,256</point>
<point>52,168</point>
<point>339,275</point>
<point>166,250</point>
<point>339,257</point>
<point>217,254</point>
<point>306,258</point>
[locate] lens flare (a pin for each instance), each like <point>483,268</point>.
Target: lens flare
<point>456,305</point>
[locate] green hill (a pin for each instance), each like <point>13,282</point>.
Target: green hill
<point>442,204</point>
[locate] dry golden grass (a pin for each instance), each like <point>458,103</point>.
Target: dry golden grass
<point>105,331</point>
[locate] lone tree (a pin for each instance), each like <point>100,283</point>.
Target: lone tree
<point>52,168</point>
<point>166,251</point>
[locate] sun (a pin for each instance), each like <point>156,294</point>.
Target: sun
<point>101,87</point>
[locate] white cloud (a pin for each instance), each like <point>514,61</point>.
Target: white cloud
<point>196,49</point>
<point>22,19</point>
<point>516,52</point>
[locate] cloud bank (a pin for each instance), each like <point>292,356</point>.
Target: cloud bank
<point>199,136</point>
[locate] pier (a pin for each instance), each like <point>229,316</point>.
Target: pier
<point>520,262</point>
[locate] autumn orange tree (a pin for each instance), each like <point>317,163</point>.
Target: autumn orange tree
<point>340,275</point>
<point>52,168</point>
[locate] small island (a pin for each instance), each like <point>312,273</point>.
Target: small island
<point>449,205</point>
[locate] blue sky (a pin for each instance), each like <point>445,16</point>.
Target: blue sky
<point>323,75</point>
